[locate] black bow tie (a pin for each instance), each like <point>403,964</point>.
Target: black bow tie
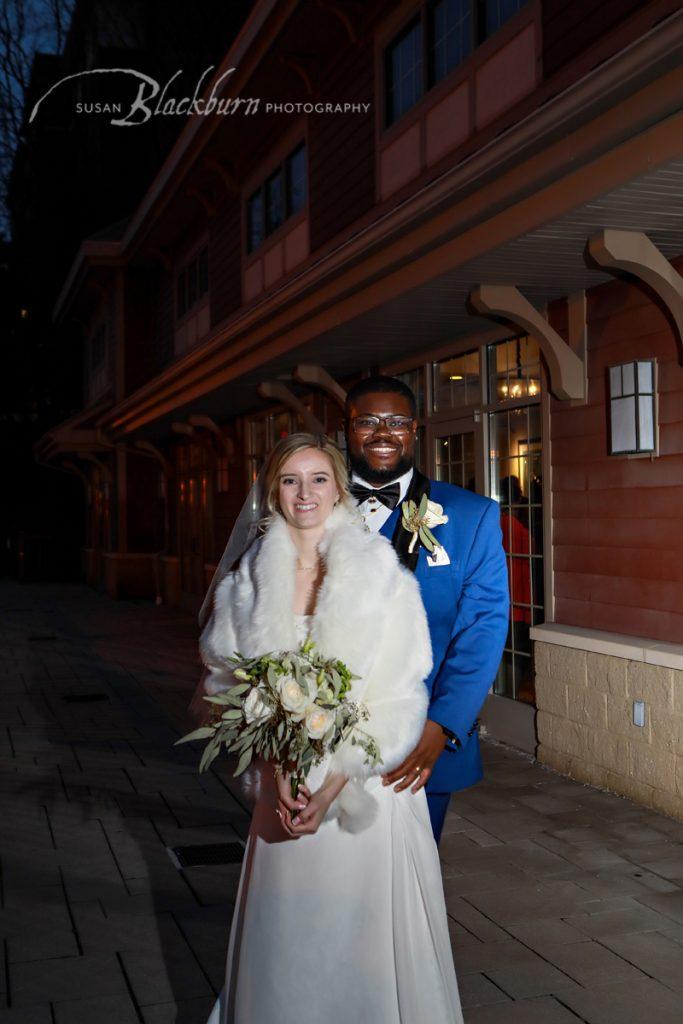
<point>388,495</point>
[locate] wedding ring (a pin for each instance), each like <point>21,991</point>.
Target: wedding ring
<point>418,769</point>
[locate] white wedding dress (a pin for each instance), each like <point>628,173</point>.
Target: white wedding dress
<point>337,926</point>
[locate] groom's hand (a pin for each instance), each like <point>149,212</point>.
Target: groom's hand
<point>418,765</point>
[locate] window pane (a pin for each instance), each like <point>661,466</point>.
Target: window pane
<point>255,221</point>
<point>203,272</point>
<point>274,202</point>
<point>450,29</point>
<point>415,381</point>
<point>456,382</point>
<point>645,377</point>
<point>454,460</point>
<point>623,424</point>
<point>516,482</point>
<point>646,425</point>
<point>514,369</point>
<point>628,379</point>
<point>296,180</point>
<point>615,381</point>
<point>495,13</point>
<point>403,70</point>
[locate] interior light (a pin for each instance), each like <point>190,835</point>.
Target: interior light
<point>455,376</point>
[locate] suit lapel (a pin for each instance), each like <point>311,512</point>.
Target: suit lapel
<point>400,539</point>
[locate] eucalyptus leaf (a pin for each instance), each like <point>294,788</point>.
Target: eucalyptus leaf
<point>239,688</point>
<point>199,734</point>
<point>428,543</point>
<point>243,762</point>
<point>210,751</point>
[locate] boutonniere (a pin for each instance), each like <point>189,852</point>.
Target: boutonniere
<point>419,521</point>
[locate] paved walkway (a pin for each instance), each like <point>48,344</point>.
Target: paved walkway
<point>565,903</point>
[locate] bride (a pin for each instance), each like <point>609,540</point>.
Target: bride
<point>340,912</point>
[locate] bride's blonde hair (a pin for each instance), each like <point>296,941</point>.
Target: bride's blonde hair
<point>289,446</point>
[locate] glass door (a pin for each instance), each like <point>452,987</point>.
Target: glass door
<point>456,451</point>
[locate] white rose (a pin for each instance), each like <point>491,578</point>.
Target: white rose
<point>434,515</point>
<point>318,721</point>
<point>255,708</point>
<point>292,697</point>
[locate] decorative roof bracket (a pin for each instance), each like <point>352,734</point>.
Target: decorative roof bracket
<point>278,391</point>
<point>310,373</point>
<point>567,369</point>
<point>633,252</point>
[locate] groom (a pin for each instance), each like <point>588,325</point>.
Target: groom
<point>464,587</point>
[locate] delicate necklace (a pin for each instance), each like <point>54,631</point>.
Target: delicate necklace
<point>305,568</point>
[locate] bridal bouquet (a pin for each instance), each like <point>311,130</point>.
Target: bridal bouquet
<point>289,707</point>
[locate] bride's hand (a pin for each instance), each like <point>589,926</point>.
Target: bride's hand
<point>307,821</point>
<point>287,806</point>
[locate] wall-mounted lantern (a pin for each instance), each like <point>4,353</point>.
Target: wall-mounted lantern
<point>633,407</point>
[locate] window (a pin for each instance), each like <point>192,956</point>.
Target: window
<point>263,433</point>
<point>403,69</point>
<point>450,36</point>
<point>296,179</point>
<point>514,370</point>
<point>493,14</point>
<point>454,460</point>
<point>275,206</point>
<point>192,283</point>
<point>633,422</point>
<point>281,196</point>
<point>456,382</point>
<point>255,221</point>
<point>431,45</point>
<point>414,379</point>
<point>516,476</point>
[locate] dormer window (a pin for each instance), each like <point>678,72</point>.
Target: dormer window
<point>434,42</point>
<point>282,194</point>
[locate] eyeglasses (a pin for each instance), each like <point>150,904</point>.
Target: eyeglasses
<point>394,424</point>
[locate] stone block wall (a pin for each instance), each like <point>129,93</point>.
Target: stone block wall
<point>585,723</point>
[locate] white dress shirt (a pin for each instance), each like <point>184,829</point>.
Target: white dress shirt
<point>374,513</point>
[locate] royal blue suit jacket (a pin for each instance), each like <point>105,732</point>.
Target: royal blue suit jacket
<point>467,604</point>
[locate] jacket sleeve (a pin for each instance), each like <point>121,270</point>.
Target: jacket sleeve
<point>474,651</point>
<point>396,696</point>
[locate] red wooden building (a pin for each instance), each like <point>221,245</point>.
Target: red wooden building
<point>485,198</point>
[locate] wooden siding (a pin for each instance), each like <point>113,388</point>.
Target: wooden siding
<point>341,156</point>
<point>617,539</point>
<point>224,259</point>
<point>163,328</point>
<point>140,325</point>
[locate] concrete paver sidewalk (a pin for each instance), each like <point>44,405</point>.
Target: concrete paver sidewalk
<point>565,903</point>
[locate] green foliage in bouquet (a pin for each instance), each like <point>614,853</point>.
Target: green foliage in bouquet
<point>288,707</point>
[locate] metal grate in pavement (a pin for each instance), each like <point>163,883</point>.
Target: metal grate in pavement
<point>83,698</point>
<point>206,854</point>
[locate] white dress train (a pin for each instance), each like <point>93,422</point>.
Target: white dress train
<point>340,926</point>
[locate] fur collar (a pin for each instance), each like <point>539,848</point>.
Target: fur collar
<point>353,602</point>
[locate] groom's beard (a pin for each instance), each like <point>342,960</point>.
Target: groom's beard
<point>378,477</point>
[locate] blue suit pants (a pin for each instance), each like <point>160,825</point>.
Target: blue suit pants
<point>438,805</point>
